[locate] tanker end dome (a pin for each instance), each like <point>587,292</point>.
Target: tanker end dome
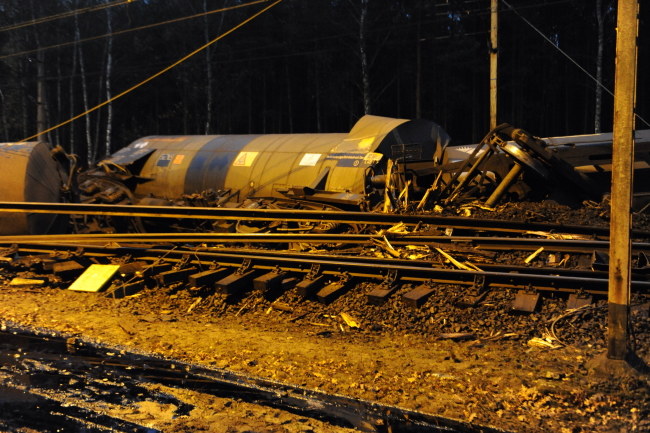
<point>30,174</point>
<point>403,140</point>
<point>416,141</point>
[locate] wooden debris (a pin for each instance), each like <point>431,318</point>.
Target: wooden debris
<point>194,304</point>
<point>457,336</point>
<point>543,343</point>
<point>389,172</point>
<point>549,235</point>
<point>564,260</point>
<point>531,257</point>
<point>281,306</point>
<point>349,320</point>
<point>390,248</point>
<point>398,228</point>
<point>473,266</point>
<point>385,245</point>
<point>433,187</point>
<point>468,207</point>
<point>26,282</point>
<point>455,262</point>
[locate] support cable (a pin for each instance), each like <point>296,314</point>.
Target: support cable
<point>64,15</point>
<point>157,74</point>
<point>547,39</point>
<point>121,32</point>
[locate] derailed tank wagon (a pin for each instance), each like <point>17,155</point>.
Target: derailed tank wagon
<point>338,169</point>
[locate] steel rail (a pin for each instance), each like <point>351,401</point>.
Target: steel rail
<point>492,267</point>
<point>212,213</point>
<point>466,242</point>
<point>337,265</point>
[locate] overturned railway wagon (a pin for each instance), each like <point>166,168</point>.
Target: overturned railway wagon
<point>333,168</point>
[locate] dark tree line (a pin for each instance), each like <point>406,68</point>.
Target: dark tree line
<point>304,66</point>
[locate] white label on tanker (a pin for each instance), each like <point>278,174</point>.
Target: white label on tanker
<point>141,144</point>
<point>310,159</point>
<point>245,159</point>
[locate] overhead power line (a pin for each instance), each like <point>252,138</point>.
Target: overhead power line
<point>65,15</point>
<point>157,74</point>
<point>121,32</point>
<point>564,53</point>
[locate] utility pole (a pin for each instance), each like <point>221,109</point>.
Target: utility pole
<point>494,27</point>
<point>622,179</point>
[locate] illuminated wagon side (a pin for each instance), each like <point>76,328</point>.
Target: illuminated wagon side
<point>334,168</point>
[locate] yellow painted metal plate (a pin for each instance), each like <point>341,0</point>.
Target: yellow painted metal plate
<point>95,278</point>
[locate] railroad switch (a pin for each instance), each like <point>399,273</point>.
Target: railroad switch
<point>312,282</point>
<point>380,292</point>
<point>207,278</point>
<point>270,281</point>
<point>526,300</point>
<point>418,296</point>
<point>237,281</point>
<point>335,289</point>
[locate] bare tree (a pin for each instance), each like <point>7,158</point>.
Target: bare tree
<point>109,70</point>
<point>71,94</point>
<point>84,88</point>
<point>363,55</point>
<point>208,70</point>
<point>600,23</point>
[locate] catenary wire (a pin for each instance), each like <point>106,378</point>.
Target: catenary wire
<point>64,15</point>
<point>564,53</point>
<point>474,12</point>
<point>121,32</point>
<point>157,74</point>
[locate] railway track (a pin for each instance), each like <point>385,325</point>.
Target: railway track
<point>227,263</point>
<point>295,215</point>
<point>324,275</point>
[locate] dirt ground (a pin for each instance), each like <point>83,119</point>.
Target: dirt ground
<point>486,364</point>
<point>497,380</point>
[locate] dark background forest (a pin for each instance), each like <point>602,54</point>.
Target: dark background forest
<point>303,66</point>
